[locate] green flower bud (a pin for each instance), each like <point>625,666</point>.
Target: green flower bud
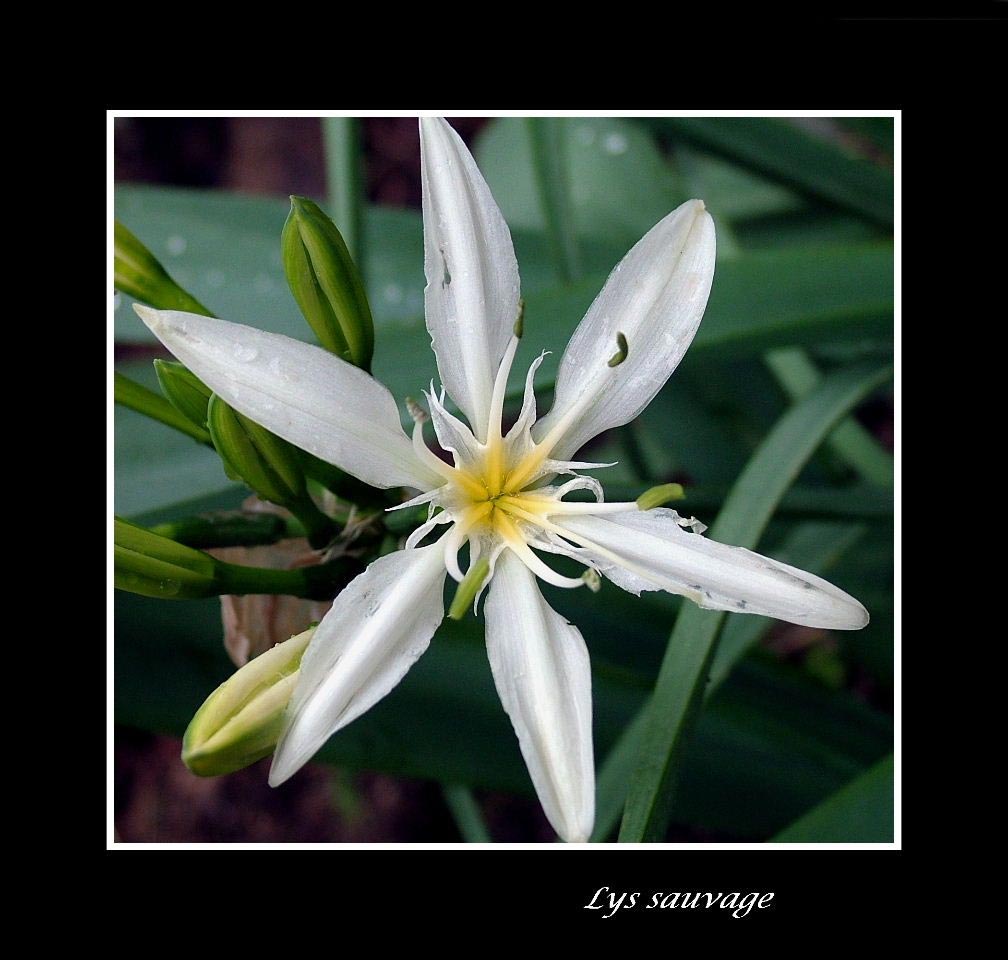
<point>272,467</point>
<point>240,722</point>
<point>139,274</point>
<point>186,392</point>
<point>155,566</point>
<point>326,283</point>
<point>269,465</point>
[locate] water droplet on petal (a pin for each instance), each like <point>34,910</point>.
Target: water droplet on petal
<point>244,353</point>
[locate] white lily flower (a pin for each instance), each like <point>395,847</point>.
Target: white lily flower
<point>502,494</point>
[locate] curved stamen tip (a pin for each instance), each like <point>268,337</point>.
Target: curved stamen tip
<point>657,496</point>
<point>621,354</point>
<point>417,412</point>
<point>592,580</point>
<point>519,324</point>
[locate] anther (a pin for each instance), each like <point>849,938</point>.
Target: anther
<point>621,354</point>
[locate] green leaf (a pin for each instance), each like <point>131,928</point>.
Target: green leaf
<point>789,155</point>
<point>678,692</point>
<point>620,185</point>
<point>862,812</point>
<point>548,141</point>
<point>798,375</point>
<point>759,301</point>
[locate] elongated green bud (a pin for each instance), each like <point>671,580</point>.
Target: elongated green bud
<point>186,392</point>
<point>139,274</point>
<point>326,283</point>
<point>155,566</point>
<point>269,465</point>
<point>657,496</point>
<point>240,722</point>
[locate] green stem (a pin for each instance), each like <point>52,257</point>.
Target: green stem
<point>230,529</point>
<point>466,812</point>
<point>309,583</point>
<point>344,181</point>
<point>549,163</point>
<point>319,528</point>
<point>137,397</point>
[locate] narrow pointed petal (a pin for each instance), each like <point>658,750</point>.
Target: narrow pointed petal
<point>376,630</point>
<point>650,551</point>
<point>300,392</point>
<point>541,669</point>
<point>472,288</point>
<point>655,297</point>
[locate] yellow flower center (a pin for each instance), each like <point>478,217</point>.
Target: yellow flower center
<point>492,492</point>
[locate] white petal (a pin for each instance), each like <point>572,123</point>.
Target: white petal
<point>649,550</point>
<point>472,275</point>
<point>655,297</point>
<point>302,393</point>
<point>541,669</point>
<point>376,630</point>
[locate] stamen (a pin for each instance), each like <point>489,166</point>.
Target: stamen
<point>621,354</point>
<point>457,535</point>
<point>417,412</point>
<point>424,529</point>
<point>517,543</point>
<point>500,388</point>
<point>657,496</point>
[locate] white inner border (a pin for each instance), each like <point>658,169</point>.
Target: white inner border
<point>111,843</point>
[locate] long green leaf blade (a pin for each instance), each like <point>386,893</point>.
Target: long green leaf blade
<point>679,690</point>
<point>861,812</point>
<point>798,375</point>
<point>788,155</point>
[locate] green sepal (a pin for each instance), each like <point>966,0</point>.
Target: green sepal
<point>269,465</point>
